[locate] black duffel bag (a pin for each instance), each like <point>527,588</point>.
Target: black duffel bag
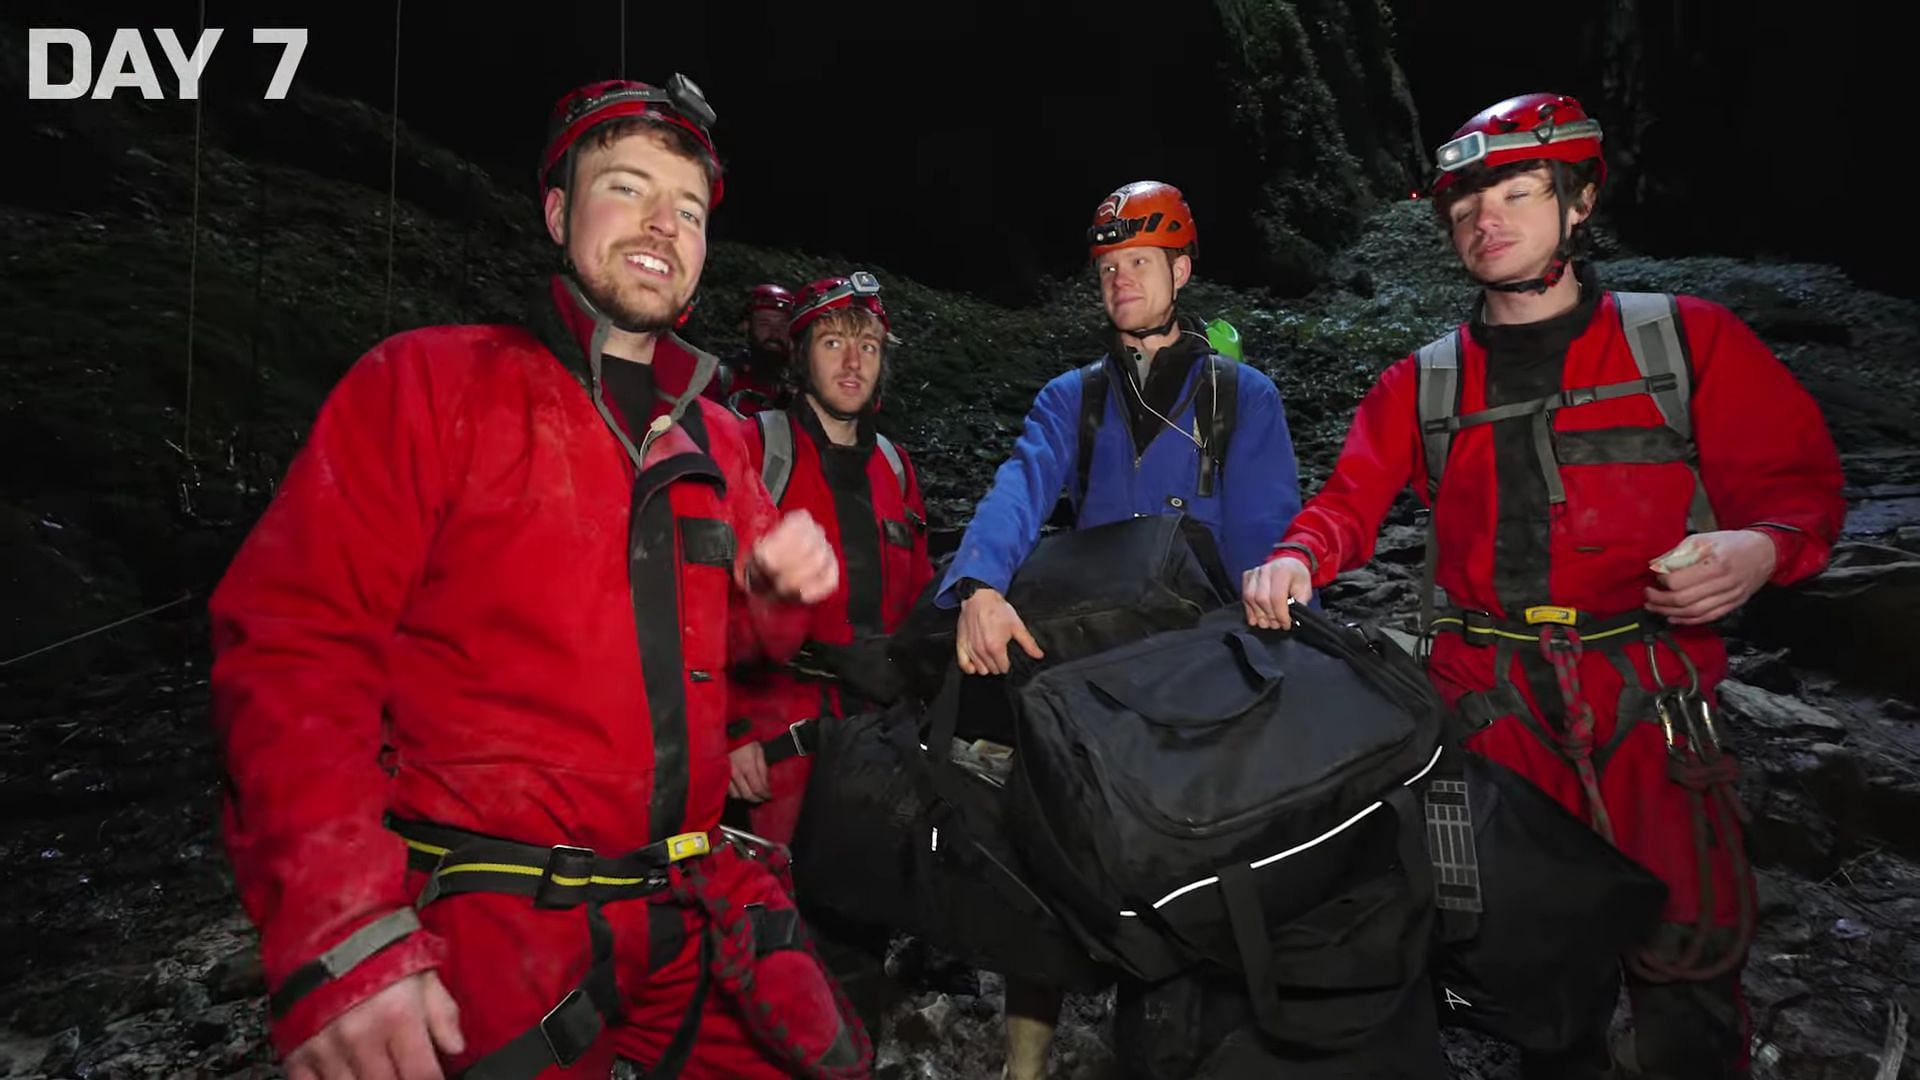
<point>1081,592</point>
<point>894,835</point>
<point>1557,906</point>
<point>1241,799</point>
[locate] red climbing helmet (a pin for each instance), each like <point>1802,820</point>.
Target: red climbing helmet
<point>1549,126</point>
<point>770,297</point>
<point>681,104</point>
<point>1145,213</point>
<point>859,289</point>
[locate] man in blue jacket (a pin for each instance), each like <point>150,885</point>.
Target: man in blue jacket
<point>1172,428</point>
<point>1170,439</point>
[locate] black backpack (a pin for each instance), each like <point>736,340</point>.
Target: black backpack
<point>895,833</point>
<point>1079,592</point>
<point>1230,798</point>
<point>1530,953</point>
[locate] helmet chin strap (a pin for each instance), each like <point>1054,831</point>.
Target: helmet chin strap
<point>1173,317</point>
<point>1556,270</point>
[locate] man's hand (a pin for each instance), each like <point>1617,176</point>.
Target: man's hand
<point>987,623</point>
<point>794,561</point>
<point>749,779</point>
<point>1734,566</point>
<point>1265,590</point>
<point>390,1036</point>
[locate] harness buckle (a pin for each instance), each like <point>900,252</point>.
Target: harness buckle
<point>554,1022</point>
<point>687,845</point>
<point>568,870</point>
<point>793,732</point>
<point>1549,613</point>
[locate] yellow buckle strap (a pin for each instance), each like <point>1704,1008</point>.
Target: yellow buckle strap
<point>678,847</point>
<point>687,845</point>
<point>1548,613</point>
<point>1534,616</point>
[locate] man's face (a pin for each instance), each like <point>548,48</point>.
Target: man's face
<point>844,360</point>
<point>639,228</point>
<point>1138,284</point>
<point>1511,230</point>
<point>767,331</point>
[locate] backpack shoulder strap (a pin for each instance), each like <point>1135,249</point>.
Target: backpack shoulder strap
<point>1220,399</point>
<point>776,464</point>
<point>1439,362</point>
<point>1093,408</point>
<point>892,454</point>
<point>1651,324</point>
<point>1226,405</point>
<point>1439,403</point>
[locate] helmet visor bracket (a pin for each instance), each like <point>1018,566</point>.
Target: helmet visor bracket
<point>681,96</point>
<point>1475,146</point>
<point>859,288</point>
<point>1119,230</point>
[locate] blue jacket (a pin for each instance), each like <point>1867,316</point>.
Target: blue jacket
<point>1257,495</point>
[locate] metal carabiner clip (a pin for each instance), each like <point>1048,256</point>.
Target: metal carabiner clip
<point>1664,704</point>
<point>752,846</point>
<point>1700,720</point>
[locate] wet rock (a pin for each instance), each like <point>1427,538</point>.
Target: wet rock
<point>1368,589</point>
<point>1855,618</point>
<point>1787,831</point>
<point>206,1030</point>
<point>1893,807</point>
<point>928,1025</point>
<point>236,975</point>
<point>1402,544</point>
<point>1767,670</point>
<point>1777,711</point>
<point>87,1002</point>
<point>60,1052</point>
<point>21,1057</point>
<point>1831,1038</point>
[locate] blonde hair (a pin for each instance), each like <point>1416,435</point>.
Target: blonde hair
<point>852,322</point>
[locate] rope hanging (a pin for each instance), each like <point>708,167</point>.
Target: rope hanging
<point>247,430</point>
<point>393,169</point>
<point>193,266</point>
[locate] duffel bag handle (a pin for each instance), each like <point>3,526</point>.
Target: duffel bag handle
<point>1157,702</point>
<point>943,715</point>
<point>1254,655</point>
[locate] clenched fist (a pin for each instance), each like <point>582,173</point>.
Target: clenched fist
<point>794,561</point>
